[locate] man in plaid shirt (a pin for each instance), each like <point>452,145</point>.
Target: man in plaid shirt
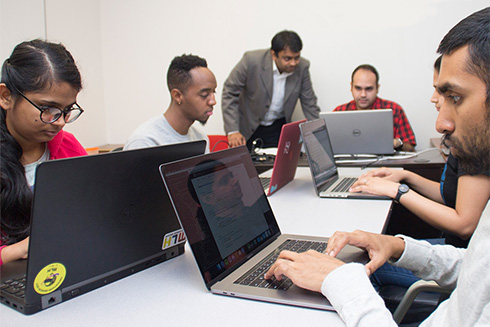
<point>364,88</point>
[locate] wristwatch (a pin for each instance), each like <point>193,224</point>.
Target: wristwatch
<point>402,189</point>
<point>401,143</point>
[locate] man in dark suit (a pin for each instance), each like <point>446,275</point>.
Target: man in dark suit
<point>261,92</point>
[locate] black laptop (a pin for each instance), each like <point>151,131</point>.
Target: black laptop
<point>95,219</point>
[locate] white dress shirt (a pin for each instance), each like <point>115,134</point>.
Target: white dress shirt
<point>278,89</point>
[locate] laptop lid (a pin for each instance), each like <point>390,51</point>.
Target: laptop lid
<point>212,194</point>
<point>231,228</point>
<point>319,153</point>
<point>288,152</point>
<point>360,131</point>
<point>96,219</point>
<point>328,183</point>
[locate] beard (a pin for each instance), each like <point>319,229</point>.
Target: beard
<point>473,151</point>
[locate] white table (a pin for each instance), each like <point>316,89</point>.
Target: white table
<point>299,211</point>
<point>173,293</point>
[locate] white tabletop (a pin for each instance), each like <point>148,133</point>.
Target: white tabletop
<point>299,211</point>
<point>173,293</point>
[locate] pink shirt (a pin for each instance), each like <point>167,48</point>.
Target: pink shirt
<point>65,145</point>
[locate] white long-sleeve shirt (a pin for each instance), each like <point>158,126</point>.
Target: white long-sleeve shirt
<point>349,290</point>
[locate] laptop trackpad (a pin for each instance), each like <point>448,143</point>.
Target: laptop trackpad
<point>353,254</point>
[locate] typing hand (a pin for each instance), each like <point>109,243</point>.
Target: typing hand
<point>307,270</point>
<point>380,248</point>
<point>375,185</point>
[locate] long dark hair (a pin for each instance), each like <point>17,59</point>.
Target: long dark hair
<point>34,65</point>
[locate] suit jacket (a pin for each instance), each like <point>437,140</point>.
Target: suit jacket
<point>247,92</point>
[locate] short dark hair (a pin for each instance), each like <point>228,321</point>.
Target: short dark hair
<point>437,64</point>
<point>473,31</point>
<point>365,67</point>
<point>178,75</point>
<point>286,39</point>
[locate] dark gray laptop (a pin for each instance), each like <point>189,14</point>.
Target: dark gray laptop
<point>326,179</point>
<point>232,230</point>
<point>360,131</point>
<point>95,219</point>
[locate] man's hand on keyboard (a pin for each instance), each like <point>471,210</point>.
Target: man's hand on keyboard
<point>306,270</point>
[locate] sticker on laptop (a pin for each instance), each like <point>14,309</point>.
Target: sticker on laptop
<point>173,238</point>
<point>50,278</point>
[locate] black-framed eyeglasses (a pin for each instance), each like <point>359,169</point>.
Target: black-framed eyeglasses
<point>49,115</point>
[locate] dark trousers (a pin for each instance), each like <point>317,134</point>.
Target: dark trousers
<point>267,136</point>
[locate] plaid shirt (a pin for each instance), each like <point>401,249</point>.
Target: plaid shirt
<point>401,125</point>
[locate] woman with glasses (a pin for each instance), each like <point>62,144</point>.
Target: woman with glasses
<point>38,90</point>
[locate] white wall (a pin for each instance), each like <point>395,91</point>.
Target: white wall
<point>19,20</point>
<point>124,47</point>
<point>77,25</point>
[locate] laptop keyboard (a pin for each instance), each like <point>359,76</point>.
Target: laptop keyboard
<point>15,287</point>
<point>265,181</point>
<point>255,276</point>
<point>344,184</point>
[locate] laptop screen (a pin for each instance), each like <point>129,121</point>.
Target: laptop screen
<point>222,207</point>
<point>319,151</point>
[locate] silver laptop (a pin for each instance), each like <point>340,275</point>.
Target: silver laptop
<point>326,179</point>
<point>360,131</point>
<point>286,161</point>
<point>95,219</point>
<point>232,230</point>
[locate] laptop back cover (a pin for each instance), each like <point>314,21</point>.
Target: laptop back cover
<point>287,157</point>
<point>96,219</point>
<point>360,131</point>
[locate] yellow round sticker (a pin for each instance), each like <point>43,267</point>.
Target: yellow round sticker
<point>50,278</point>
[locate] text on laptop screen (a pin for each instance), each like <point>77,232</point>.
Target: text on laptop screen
<point>222,207</point>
